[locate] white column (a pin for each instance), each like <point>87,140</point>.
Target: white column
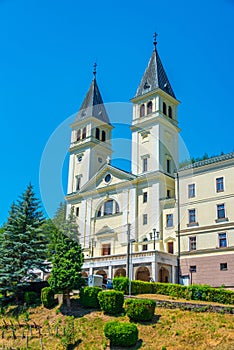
<point>173,270</point>
<point>110,271</point>
<point>71,174</point>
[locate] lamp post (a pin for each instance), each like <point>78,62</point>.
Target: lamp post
<point>178,226</point>
<point>130,266</point>
<point>153,236</point>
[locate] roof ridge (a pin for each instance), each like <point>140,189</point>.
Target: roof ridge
<point>210,160</point>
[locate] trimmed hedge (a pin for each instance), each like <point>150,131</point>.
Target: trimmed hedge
<point>121,284</point>
<point>139,309</point>
<point>193,292</point>
<point>111,302</point>
<point>121,333</point>
<point>89,297</point>
<point>47,297</point>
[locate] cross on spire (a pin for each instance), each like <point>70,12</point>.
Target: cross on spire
<point>155,40</point>
<point>94,69</point>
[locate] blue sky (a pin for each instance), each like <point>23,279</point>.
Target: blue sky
<point>47,52</point>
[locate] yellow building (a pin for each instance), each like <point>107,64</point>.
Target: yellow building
<point>129,223</point>
<point>206,202</point>
<point>119,213</point>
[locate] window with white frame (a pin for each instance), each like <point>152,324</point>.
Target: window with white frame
<point>192,216</point>
<point>219,184</point>
<point>192,243</point>
<point>145,164</point>
<point>191,190</point>
<point>169,220</point>
<point>145,197</point>
<point>222,240</point>
<point>109,207</point>
<point>145,219</point>
<point>221,211</point>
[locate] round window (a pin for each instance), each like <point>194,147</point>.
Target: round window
<point>100,159</point>
<point>107,178</point>
<point>79,159</point>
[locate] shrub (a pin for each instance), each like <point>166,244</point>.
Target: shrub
<point>47,297</point>
<point>140,287</point>
<point>121,333</point>
<point>69,336</point>
<point>88,297</point>
<point>30,298</point>
<point>121,284</point>
<point>111,302</point>
<point>193,292</point>
<point>139,309</point>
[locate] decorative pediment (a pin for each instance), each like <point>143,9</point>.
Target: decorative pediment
<point>169,238</point>
<point>105,231</point>
<point>107,176</point>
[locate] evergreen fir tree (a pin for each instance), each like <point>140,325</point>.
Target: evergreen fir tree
<point>68,259</point>
<point>23,244</point>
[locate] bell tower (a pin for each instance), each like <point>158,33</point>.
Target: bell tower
<point>155,122</point>
<point>90,139</point>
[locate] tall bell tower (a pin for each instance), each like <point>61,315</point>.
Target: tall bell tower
<point>155,123</point>
<point>90,139</point>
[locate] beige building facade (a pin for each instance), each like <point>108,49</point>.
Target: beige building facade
<point>152,223</point>
<point>119,214</point>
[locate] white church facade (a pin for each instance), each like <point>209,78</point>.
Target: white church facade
<point>128,220</point>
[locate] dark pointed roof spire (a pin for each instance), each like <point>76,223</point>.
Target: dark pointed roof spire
<point>93,105</point>
<point>154,76</point>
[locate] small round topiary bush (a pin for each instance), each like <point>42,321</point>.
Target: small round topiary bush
<point>47,297</point>
<point>140,309</point>
<point>88,297</point>
<point>111,302</point>
<point>121,333</point>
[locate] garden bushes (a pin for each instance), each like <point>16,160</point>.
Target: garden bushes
<point>89,297</point>
<point>111,302</point>
<point>139,309</point>
<point>47,297</point>
<point>121,333</point>
<point>121,284</point>
<point>192,292</point>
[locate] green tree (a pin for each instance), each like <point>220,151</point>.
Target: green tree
<point>23,244</point>
<point>67,259</point>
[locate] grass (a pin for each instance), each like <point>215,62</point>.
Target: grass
<point>170,329</point>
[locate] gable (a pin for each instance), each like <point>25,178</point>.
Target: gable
<point>107,176</point>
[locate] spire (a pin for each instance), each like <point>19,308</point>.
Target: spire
<point>155,76</point>
<point>92,105</point>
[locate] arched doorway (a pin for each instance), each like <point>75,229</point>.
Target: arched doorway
<point>143,274</point>
<point>163,275</point>
<point>120,272</point>
<point>102,273</point>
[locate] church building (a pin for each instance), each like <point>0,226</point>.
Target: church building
<point>128,221</point>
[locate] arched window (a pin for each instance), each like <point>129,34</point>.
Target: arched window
<point>97,133</point>
<point>142,110</point>
<point>164,108</point>
<point>103,136</point>
<point>149,107</point>
<point>78,135</point>
<point>169,112</point>
<point>109,207</point>
<point>84,133</point>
